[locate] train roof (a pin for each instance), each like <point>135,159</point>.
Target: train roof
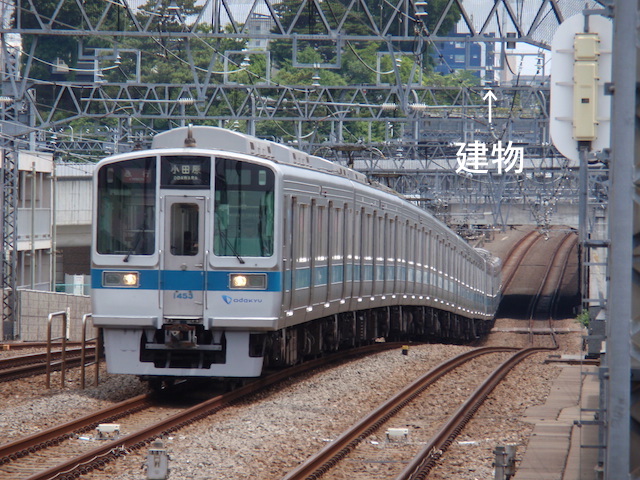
<point>223,139</point>
<point>215,138</point>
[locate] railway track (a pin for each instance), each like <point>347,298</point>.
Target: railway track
<point>516,255</point>
<point>543,302</point>
<point>533,273</point>
<point>54,453</point>
<point>21,366</point>
<point>426,459</point>
<point>326,459</point>
<point>563,265</point>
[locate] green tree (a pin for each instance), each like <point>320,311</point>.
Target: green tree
<point>435,9</point>
<point>359,59</point>
<point>308,20</point>
<point>47,49</point>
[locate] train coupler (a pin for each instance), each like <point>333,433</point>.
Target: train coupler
<point>180,335</point>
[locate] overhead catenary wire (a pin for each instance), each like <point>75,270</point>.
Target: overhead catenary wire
<point>191,35</point>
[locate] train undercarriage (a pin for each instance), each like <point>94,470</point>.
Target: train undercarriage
<point>298,343</point>
<point>352,329</point>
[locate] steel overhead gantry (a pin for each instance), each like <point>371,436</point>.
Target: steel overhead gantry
<point>107,79</point>
<point>91,88</point>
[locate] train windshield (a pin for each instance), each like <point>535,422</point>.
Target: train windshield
<point>244,196</point>
<point>126,207</point>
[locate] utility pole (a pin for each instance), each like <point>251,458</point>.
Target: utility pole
<point>9,178</point>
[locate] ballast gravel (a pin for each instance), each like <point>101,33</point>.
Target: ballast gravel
<point>29,407</point>
<point>267,436</point>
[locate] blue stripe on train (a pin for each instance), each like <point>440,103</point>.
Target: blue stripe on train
<point>179,280</point>
<point>219,280</point>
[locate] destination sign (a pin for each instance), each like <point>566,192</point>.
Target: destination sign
<point>186,171</point>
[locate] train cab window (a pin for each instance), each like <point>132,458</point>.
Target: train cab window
<point>244,209</point>
<point>184,229</point>
<point>126,205</point>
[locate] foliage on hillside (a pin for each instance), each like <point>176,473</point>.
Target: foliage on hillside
<point>166,60</point>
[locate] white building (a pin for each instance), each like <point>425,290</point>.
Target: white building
<point>259,24</point>
<point>34,217</point>
<point>73,216</point>
<point>53,214</point>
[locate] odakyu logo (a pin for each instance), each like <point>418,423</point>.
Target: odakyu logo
<point>229,300</point>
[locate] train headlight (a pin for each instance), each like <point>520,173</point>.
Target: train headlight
<point>238,281</point>
<point>121,279</point>
<point>251,281</point>
<point>130,279</point>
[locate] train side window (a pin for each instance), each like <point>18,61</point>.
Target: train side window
<point>337,231</point>
<point>355,246</point>
<point>440,262</point>
<point>378,238</point>
<point>390,248</point>
<point>411,255</point>
<point>367,237</point>
<point>423,258</point>
<point>378,246</point>
<point>426,256</point>
<point>322,237</point>
<point>432,257</point>
<point>448,268</point>
<point>302,234</point>
<point>184,229</point>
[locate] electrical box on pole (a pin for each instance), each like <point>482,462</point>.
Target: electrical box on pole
<point>585,86</point>
<point>581,67</point>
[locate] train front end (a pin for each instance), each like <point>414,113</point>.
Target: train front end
<point>185,276</point>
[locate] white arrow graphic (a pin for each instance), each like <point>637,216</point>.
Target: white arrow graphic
<point>490,95</point>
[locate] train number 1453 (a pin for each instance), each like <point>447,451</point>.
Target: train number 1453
<point>183,295</point>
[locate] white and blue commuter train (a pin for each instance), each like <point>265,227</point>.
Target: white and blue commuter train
<point>216,254</point>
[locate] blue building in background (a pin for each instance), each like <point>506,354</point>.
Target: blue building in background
<point>452,56</point>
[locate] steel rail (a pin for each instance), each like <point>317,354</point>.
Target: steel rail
<point>553,261</point>
<point>40,368</point>
<point>533,303</point>
<point>535,300</point>
<point>554,297</point>
<point>110,450</point>
<point>54,435</point>
<point>518,252</point>
<point>556,292</point>
<point>10,362</point>
<point>421,465</point>
<point>325,459</point>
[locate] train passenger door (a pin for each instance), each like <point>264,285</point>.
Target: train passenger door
<point>183,273</point>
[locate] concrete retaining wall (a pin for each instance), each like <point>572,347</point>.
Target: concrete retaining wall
<point>35,307</point>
